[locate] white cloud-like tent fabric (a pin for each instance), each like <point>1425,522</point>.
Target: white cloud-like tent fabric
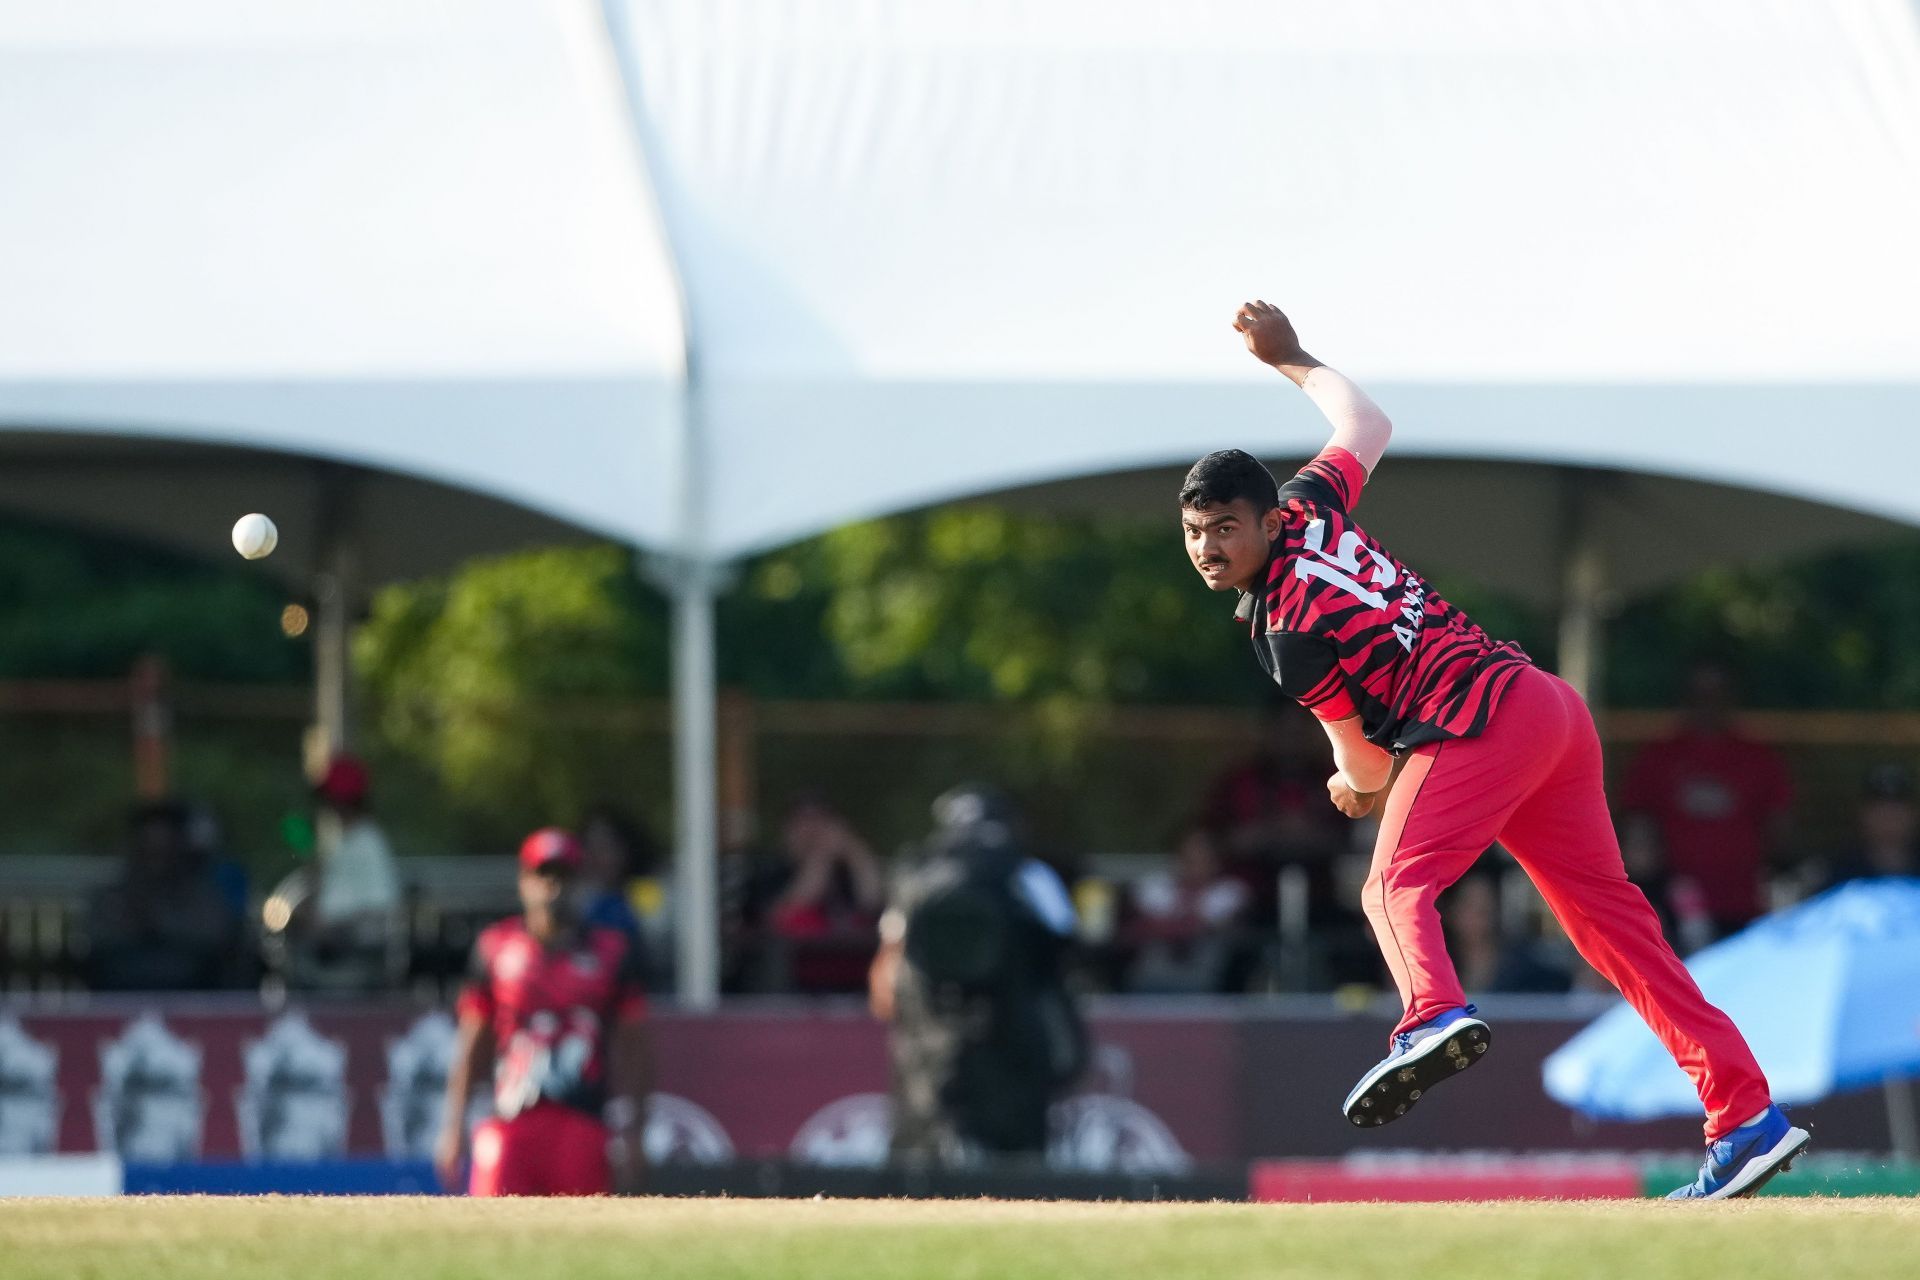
<point>412,237</point>
<point>782,264</point>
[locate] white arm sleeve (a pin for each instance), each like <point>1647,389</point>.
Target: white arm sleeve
<point>1365,767</point>
<point>1359,425</point>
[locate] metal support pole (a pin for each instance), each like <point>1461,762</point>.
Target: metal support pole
<point>1583,584</point>
<point>1903,1125</point>
<point>692,581</point>
<point>331,660</point>
<point>152,729</point>
<point>335,593</point>
<point>696,858</point>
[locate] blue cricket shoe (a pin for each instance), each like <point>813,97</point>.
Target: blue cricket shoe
<point>1421,1058</point>
<point>1746,1159</point>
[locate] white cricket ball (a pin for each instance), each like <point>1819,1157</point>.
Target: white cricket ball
<point>254,536</point>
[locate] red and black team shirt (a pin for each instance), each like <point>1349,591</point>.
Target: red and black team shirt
<point>1347,630</point>
<point>550,1010</point>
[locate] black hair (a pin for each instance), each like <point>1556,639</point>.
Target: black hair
<point>1225,476</point>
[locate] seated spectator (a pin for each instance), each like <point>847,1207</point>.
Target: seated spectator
<point>1184,929</point>
<point>1888,842</point>
<point>814,909</point>
<point>1270,813</point>
<point>1272,806</point>
<point>1710,806</point>
<point>832,878</point>
<point>1485,957</point>
<point>207,842</point>
<point>165,924</point>
<point>616,849</point>
<point>350,920</point>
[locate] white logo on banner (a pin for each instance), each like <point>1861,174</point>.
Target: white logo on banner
<point>1105,1132</point>
<point>29,1092</point>
<point>853,1133</point>
<point>415,1094</point>
<point>682,1132</point>
<point>149,1106</point>
<point>293,1105</point>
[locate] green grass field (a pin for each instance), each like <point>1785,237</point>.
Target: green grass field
<point>318,1239</point>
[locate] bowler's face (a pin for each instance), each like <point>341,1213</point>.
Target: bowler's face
<point>1228,544</point>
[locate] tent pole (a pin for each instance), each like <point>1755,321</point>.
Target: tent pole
<point>695,788</point>
<point>692,580</point>
<point>334,592</point>
<point>1903,1125</point>
<point>1583,582</point>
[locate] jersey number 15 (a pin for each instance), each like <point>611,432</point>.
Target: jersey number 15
<point>1343,566</point>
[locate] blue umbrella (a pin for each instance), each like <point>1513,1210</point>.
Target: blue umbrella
<point>1827,993</point>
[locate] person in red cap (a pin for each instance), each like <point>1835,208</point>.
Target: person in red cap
<point>561,1006</point>
<point>356,900</point>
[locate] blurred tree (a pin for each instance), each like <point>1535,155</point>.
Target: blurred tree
<point>1833,632</point>
<point>980,603</point>
<point>464,672</point>
<point>79,606</point>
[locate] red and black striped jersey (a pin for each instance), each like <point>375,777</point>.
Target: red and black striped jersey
<point>1348,630</point>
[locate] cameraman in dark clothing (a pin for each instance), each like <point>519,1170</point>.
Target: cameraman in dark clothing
<point>971,975</point>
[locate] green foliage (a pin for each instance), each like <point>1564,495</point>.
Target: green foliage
<point>983,604</point>
<point>502,695</point>
<point>486,681</point>
<point>85,607</point>
<point>464,674</point>
<point>1834,632</point>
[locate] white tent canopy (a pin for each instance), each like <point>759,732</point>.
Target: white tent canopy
<point>940,249</point>
<point>707,275</point>
<point>414,237</point>
<point>929,252</point>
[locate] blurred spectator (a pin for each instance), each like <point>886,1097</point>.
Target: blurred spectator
<point>1271,807</point>
<point>1888,840</point>
<point>1487,959</point>
<point>616,849</point>
<point>165,924</point>
<point>207,841</point>
<point>1270,815</point>
<point>1184,931</point>
<point>971,977</point>
<point>810,912</point>
<point>1710,804</point>
<point>1648,870</point>
<point>350,925</point>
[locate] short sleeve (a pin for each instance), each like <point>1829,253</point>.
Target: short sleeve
<point>630,983</point>
<point>1334,479</point>
<point>1308,670</point>
<point>476,990</point>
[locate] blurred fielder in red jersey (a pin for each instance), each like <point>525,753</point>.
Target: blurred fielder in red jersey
<point>1464,742</point>
<point>562,1007</point>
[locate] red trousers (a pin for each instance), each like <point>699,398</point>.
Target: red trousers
<point>1533,783</point>
<point>548,1150</point>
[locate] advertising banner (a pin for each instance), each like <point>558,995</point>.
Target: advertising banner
<point>158,1083</point>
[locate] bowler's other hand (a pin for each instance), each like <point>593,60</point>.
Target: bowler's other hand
<point>1348,801</point>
